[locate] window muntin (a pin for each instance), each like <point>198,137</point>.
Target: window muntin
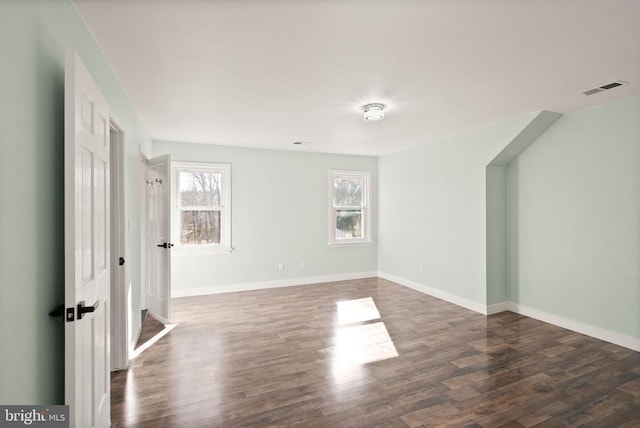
<point>349,207</point>
<point>202,209</point>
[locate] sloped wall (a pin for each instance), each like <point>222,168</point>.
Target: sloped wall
<point>432,212</point>
<point>574,220</point>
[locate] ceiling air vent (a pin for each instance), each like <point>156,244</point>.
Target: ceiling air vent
<point>605,87</point>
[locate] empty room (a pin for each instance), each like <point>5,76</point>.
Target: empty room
<point>320,213</point>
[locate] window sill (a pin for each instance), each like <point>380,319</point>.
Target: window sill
<point>186,251</point>
<point>351,244</point>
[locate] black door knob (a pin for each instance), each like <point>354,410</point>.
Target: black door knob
<point>82,309</point>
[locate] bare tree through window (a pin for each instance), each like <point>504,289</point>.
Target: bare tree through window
<point>349,203</point>
<point>347,194</point>
<point>200,202</point>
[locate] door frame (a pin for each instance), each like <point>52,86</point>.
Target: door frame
<point>142,197</point>
<point>119,290</point>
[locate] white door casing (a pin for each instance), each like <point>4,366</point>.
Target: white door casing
<point>158,236</point>
<point>87,248</point>
<point>120,299</point>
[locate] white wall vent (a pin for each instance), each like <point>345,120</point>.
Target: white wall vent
<point>605,87</point>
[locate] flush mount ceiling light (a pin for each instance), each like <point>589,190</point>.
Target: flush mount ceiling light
<point>373,112</point>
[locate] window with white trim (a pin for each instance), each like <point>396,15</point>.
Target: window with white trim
<point>350,216</point>
<point>202,201</point>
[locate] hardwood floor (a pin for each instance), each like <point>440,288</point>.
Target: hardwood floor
<point>151,327</point>
<point>293,357</point>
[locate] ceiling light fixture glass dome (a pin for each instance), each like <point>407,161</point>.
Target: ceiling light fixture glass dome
<point>373,112</point>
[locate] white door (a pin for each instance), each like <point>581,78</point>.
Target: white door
<point>158,245</point>
<point>86,199</point>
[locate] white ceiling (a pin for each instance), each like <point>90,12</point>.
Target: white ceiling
<point>265,73</point>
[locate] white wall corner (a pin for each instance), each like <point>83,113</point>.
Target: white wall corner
<point>435,292</point>
<point>527,136</point>
<point>586,329</point>
<point>250,286</point>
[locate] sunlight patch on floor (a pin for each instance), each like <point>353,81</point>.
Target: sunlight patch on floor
<point>357,340</point>
<point>146,345</point>
<point>357,310</point>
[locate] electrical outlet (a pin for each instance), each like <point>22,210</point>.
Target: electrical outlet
<point>280,266</point>
<point>421,270</point>
<point>301,264</point>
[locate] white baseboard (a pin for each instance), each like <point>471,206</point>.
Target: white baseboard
<point>250,286</point>
<point>496,308</point>
<point>434,292</point>
<point>579,327</point>
<point>589,330</point>
<point>586,329</point>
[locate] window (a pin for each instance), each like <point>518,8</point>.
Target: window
<point>349,220</point>
<point>202,216</point>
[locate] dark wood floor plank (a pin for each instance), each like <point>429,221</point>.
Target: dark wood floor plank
<point>281,358</point>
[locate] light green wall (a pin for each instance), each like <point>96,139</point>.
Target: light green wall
<point>497,244</point>
<point>497,289</point>
<point>432,209</point>
<point>33,38</point>
<point>573,207</point>
<point>574,219</point>
<point>279,215</point>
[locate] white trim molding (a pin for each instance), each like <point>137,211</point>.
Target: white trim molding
<point>616,338</point>
<point>496,308</point>
<point>577,326</point>
<point>630,342</point>
<point>250,286</point>
<point>437,293</point>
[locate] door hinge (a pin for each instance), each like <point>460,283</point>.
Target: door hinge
<point>121,261</point>
<point>165,245</point>
<point>70,314</point>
